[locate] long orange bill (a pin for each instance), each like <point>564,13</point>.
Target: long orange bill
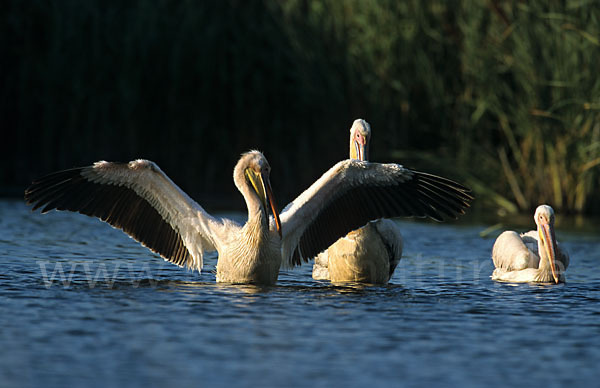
<point>272,203</point>
<point>360,150</point>
<point>547,236</point>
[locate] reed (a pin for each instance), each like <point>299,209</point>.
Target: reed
<point>503,95</point>
<point>536,92</point>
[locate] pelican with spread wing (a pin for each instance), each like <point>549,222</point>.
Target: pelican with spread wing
<point>138,198</point>
<point>532,257</point>
<point>366,255</point>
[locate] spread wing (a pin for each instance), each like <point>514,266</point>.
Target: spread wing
<point>354,192</point>
<point>138,198</point>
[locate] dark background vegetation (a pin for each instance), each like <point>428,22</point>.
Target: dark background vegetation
<point>501,95</point>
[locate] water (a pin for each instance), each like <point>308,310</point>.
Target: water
<point>82,304</point>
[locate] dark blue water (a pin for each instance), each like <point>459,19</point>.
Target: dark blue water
<point>82,304</point>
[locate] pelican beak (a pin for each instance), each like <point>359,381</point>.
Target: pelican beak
<point>546,232</point>
<point>262,186</point>
<point>271,199</point>
<point>360,149</point>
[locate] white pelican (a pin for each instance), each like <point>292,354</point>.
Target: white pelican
<point>140,199</point>
<point>534,256</point>
<point>369,254</point>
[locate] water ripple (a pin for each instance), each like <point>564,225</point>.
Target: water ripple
<point>80,299</point>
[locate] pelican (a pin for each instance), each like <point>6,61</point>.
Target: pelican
<point>532,257</point>
<point>138,198</point>
<point>369,254</point>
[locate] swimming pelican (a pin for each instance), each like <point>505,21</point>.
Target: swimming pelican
<point>138,198</point>
<point>369,254</point>
<point>534,256</point>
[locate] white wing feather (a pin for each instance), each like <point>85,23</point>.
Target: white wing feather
<point>343,176</point>
<point>97,190</point>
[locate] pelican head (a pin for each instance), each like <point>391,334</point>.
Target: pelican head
<point>252,172</point>
<point>360,135</point>
<point>544,219</point>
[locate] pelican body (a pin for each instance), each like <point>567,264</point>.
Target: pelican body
<point>532,257</point>
<point>369,254</point>
<point>138,198</point>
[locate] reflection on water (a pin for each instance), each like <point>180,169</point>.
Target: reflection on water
<point>82,304</point>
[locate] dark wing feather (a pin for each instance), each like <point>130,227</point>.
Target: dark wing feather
<point>135,197</point>
<point>352,193</point>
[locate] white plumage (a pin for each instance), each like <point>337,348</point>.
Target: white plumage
<point>138,198</point>
<point>534,256</point>
<point>368,254</point>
